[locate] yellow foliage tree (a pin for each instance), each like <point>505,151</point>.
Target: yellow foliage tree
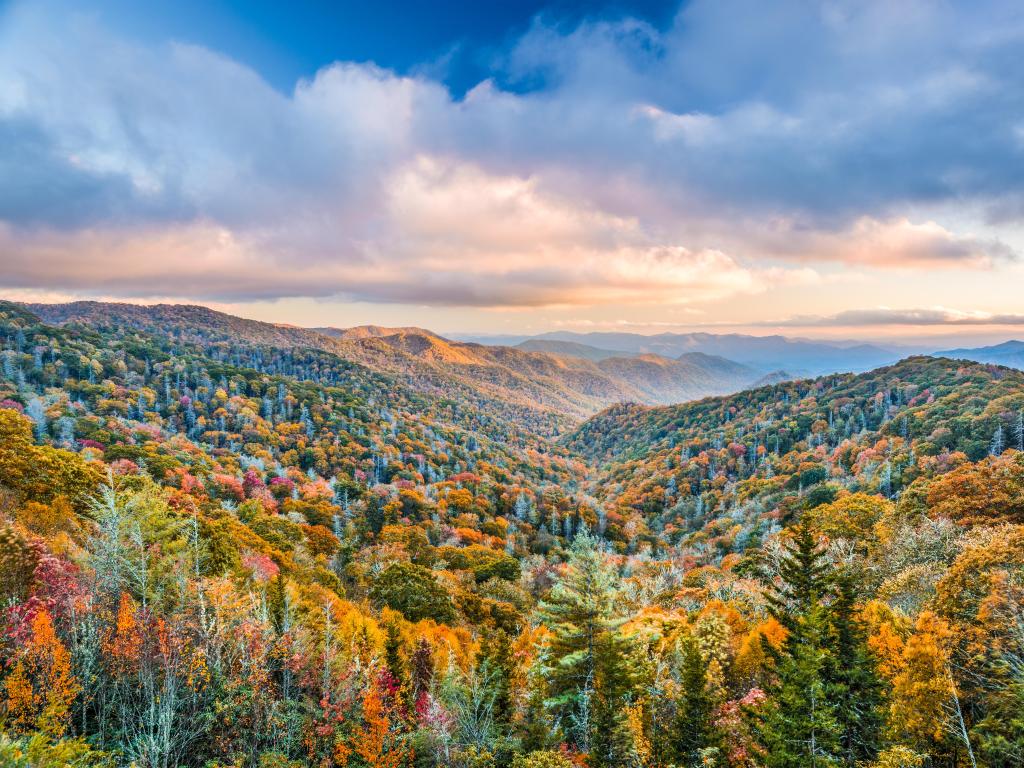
<point>922,687</point>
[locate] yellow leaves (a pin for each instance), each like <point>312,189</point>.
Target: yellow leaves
<point>39,693</point>
<point>638,730</point>
<point>851,517</point>
<point>49,519</point>
<point>922,685</point>
<point>751,660</point>
<point>983,493</point>
<point>969,579</point>
<point>899,757</point>
<point>654,624</point>
<point>459,500</point>
<point>107,407</point>
<point>197,674</point>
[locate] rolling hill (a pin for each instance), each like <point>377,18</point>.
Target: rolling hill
<point>528,386</point>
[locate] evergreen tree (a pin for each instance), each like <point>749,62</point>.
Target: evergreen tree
<point>692,730</point>
<point>393,658</point>
<point>588,663</point>
<point>856,687</point>
<point>497,666</point>
<point>799,727</point>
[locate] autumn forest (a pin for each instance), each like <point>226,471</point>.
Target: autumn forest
<point>225,544</point>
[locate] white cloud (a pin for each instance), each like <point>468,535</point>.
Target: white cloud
<point>445,234</point>
<point>891,244</point>
<point>885,316</point>
<point>722,157</point>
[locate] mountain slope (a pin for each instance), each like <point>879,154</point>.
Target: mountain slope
<point>690,465</point>
<point>531,387</point>
<point>662,380</point>
<point>1009,353</point>
<point>766,353</point>
<point>569,349</point>
<point>370,332</point>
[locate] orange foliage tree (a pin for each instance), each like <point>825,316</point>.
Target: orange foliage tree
<point>40,689</point>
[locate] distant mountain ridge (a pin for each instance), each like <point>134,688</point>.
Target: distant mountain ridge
<point>372,331</point>
<point>765,353</point>
<point>569,348</point>
<point>1009,353</point>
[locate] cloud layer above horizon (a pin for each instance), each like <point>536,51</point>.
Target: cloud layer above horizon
<point>729,154</point>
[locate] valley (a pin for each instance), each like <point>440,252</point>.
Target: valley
<point>353,531</point>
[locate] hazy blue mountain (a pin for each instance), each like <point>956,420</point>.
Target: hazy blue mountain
<point>571,349</point>
<point>763,353</point>
<point>1009,353</point>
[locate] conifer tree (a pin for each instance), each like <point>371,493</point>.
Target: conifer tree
<point>497,667</point>
<point>799,726</point>
<point>692,730</point>
<point>854,679</point>
<point>588,662</point>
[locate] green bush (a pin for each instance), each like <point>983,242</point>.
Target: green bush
<point>39,752</point>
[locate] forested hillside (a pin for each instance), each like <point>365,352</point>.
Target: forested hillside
<point>226,543</point>
<point>546,392</point>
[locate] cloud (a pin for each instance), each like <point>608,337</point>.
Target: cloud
<point>443,234</point>
<point>906,317</point>
<point>892,244</point>
<point>728,154</point>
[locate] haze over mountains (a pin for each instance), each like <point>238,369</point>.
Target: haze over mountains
<point>1009,353</point>
<point>544,378</point>
<point>798,357</point>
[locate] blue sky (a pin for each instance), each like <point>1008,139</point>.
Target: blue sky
<point>822,167</point>
<point>459,43</point>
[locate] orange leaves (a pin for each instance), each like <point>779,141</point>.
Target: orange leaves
<point>459,500</point>
<point>21,702</point>
<point>991,491</point>
<point>887,646</point>
<point>377,743</point>
<point>469,536</point>
<point>752,664</point>
<point>123,646</point>
<point>39,692</point>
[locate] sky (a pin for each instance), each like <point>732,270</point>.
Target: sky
<point>820,169</point>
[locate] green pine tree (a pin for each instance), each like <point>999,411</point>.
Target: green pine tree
<point>799,726</point>
<point>588,664</point>
<point>615,680</point>
<point>497,667</point>
<point>853,677</point>
<point>692,729</point>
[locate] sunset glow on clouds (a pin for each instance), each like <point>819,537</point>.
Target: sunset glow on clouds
<point>859,155</point>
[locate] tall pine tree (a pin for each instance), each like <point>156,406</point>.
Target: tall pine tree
<point>799,727</point>
<point>853,679</point>
<point>692,731</point>
<point>588,664</point>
